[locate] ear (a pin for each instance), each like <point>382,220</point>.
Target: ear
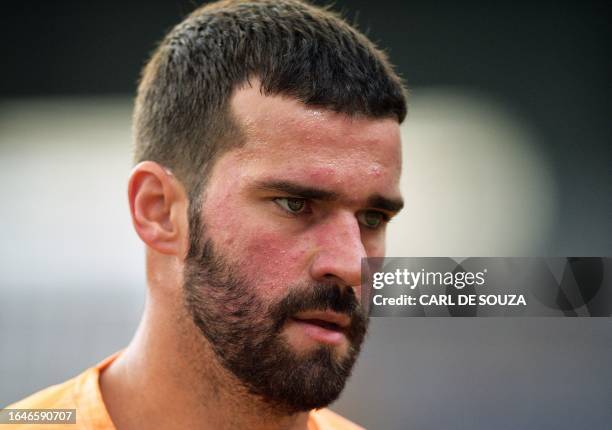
<point>158,207</point>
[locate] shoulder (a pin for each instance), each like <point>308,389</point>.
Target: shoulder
<point>60,396</point>
<point>325,419</point>
<point>81,393</point>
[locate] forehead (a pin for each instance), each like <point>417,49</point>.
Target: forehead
<point>285,138</point>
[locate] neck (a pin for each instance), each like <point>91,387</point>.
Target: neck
<point>168,377</point>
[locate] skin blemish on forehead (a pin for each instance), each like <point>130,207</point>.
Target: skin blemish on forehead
<point>315,113</point>
<point>375,170</point>
<point>322,173</point>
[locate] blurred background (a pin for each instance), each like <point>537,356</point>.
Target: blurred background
<point>507,152</point>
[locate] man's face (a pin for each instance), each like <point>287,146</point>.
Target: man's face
<point>272,278</point>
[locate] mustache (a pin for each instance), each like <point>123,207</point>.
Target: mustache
<point>320,296</point>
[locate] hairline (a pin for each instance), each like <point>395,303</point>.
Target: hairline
<point>231,118</point>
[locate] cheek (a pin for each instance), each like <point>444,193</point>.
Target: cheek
<point>267,258</point>
<point>273,262</point>
<point>268,261</point>
<point>375,246</point>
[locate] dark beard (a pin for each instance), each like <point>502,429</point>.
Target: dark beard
<point>245,332</point>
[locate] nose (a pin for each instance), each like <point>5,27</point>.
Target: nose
<point>339,251</point>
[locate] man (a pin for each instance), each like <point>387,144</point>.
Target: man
<point>268,149</point>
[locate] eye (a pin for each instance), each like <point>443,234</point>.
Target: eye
<point>372,219</point>
<point>291,204</point>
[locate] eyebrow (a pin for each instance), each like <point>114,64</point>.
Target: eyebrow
<point>297,190</point>
<point>376,201</point>
<point>389,204</point>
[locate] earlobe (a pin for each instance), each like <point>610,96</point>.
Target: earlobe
<point>157,204</point>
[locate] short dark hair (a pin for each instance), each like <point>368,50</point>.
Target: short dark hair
<point>182,118</point>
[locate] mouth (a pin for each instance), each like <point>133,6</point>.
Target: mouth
<point>323,326</point>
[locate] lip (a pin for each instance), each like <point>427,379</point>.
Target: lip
<point>341,320</point>
<point>323,326</point>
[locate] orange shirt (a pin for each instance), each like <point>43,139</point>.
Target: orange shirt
<point>83,394</point>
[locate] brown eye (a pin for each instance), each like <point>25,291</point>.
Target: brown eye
<point>371,219</point>
<point>290,204</point>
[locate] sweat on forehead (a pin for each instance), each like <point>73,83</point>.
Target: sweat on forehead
<point>263,118</point>
<point>293,149</point>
